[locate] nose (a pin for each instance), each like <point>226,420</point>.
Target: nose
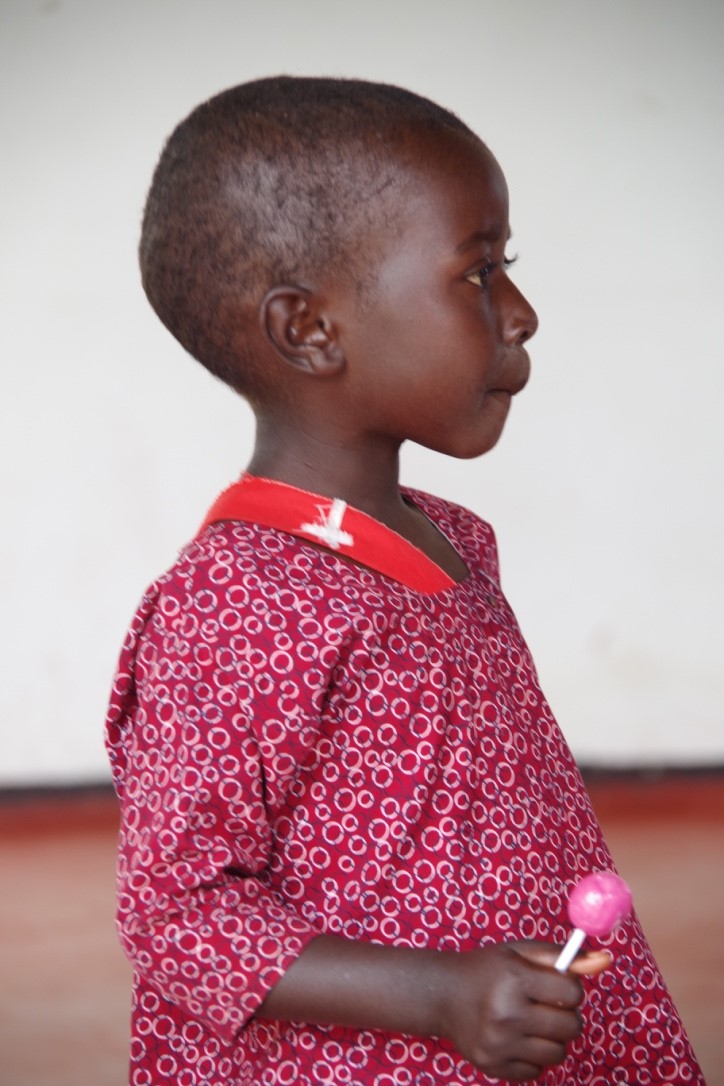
<point>521,319</point>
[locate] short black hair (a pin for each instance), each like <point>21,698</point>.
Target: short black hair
<point>261,184</point>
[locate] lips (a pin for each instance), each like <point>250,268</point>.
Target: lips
<point>515,376</point>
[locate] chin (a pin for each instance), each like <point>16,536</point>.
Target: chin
<point>468,450</point>
<point>477,438</point>
<point>480,450</point>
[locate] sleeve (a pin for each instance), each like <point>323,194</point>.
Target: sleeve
<point>196,913</point>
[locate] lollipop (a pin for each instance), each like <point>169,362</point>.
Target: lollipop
<point>596,906</point>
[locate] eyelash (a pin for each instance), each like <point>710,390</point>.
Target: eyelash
<point>483,273</point>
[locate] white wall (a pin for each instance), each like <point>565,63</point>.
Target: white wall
<point>606,491</point>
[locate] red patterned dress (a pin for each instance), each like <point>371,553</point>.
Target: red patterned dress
<point>300,745</point>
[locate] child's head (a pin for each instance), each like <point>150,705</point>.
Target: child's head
<point>266,183</point>
<point>351,229</point>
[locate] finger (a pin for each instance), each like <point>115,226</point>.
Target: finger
<point>591,964</point>
<point>544,984</point>
<point>544,954</point>
<point>515,1071</point>
<point>556,1024</point>
<point>532,1056</point>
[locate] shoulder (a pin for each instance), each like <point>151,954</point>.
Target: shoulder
<point>236,595</point>
<point>238,573</point>
<point>473,537</point>
<point>235,563</point>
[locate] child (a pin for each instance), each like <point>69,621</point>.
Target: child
<point>349,822</point>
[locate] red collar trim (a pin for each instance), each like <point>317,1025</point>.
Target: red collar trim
<point>331,523</point>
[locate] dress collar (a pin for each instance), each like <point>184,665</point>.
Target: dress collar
<point>330,523</point>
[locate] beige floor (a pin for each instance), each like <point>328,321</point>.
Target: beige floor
<point>64,991</point>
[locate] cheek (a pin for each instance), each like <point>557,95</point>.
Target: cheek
<point>437,329</point>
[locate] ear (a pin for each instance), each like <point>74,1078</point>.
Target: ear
<point>300,331</point>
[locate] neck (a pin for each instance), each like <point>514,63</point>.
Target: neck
<point>367,478</point>
<point>363,472</point>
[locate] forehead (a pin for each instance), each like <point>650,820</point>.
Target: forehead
<point>451,179</point>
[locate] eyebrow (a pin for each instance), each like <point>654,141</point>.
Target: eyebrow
<point>491,235</point>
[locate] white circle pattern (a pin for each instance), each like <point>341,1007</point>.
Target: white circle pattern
<point>300,745</point>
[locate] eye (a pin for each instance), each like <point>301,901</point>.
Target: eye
<point>480,277</point>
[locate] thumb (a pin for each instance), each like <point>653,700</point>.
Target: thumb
<point>587,964</point>
<point>591,963</point>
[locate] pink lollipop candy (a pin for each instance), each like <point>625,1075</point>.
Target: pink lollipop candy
<point>596,906</point>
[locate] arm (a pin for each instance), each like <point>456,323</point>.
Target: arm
<point>194,914</point>
<point>503,1007</point>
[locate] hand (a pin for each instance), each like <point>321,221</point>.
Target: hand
<point>509,1012</point>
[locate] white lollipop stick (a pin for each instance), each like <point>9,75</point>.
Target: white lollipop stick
<point>574,944</point>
